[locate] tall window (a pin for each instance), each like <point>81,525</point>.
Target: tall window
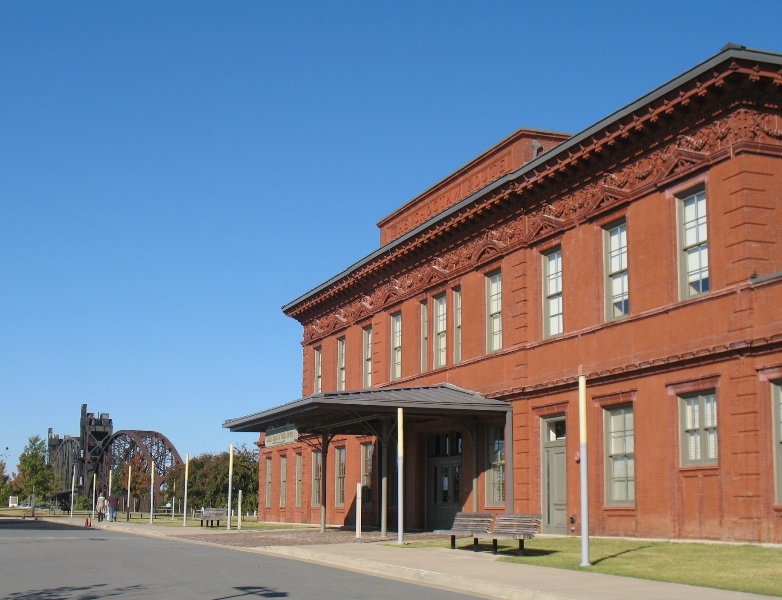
<point>495,472</point>
<point>776,397</point>
<point>457,325</point>
<point>298,480</point>
<point>268,482</point>
<point>620,455</point>
<point>340,472</point>
<point>341,364</point>
<point>424,336</point>
<point>368,356</point>
<point>367,451</point>
<point>617,292</point>
<point>396,345</point>
<point>494,310</point>
<point>439,331</point>
<point>552,284</point>
<point>317,474</point>
<point>699,428</point>
<point>318,370</point>
<point>283,480</point>
<point>695,252</point>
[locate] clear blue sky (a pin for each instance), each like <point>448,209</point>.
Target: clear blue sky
<point>171,173</point>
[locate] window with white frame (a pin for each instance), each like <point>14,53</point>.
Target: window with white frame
<point>298,480</point>
<point>457,325</point>
<point>698,428</point>
<point>367,454</point>
<point>620,455</point>
<point>317,474</point>
<point>694,244</point>
<point>318,370</point>
<point>440,324</point>
<point>552,286</point>
<point>424,336</point>
<point>339,498</point>
<point>368,356</point>
<point>283,480</point>
<point>396,345</point>
<point>617,291</point>
<point>268,482</point>
<point>776,398</point>
<point>494,311</point>
<point>495,471</point>
<point>341,364</point>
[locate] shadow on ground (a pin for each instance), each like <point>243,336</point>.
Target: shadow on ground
<point>33,524</point>
<point>254,591</point>
<point>87,592</point>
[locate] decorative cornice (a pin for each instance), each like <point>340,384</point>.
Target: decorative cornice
<point>671,362</point>
<point>566,191</point>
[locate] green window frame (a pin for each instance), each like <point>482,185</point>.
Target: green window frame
<point>776,398</point>
<point>339,488</point>
<point>698,425</point>
<point>620,455</point>
<point>495,466</point>
<point>617,289</point>
<point>317,475</point>
<point>494,311</point>
<point>693,234</point>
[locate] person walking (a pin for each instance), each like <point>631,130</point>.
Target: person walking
<point>113,502</point>
<point>101,506</point>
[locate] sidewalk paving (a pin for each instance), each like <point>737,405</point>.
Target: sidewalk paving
<point>479,574</point>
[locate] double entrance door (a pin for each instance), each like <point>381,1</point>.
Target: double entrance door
<point>443,479</point>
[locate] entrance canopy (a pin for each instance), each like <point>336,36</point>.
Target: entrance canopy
<point>371,412</point>
<point>363,411</point>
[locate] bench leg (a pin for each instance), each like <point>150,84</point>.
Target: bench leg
<point>475,544</point>
<point>453,542</point>
<point>494,546</point>
<point>521,547</point>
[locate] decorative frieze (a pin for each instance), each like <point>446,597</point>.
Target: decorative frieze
<point>682,155</point>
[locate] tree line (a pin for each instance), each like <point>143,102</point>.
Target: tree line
<point>207,479</point>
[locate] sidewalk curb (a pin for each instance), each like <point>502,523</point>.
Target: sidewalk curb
<point>451,583</point>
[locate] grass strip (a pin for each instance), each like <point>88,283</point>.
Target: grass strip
<point>740,568</point>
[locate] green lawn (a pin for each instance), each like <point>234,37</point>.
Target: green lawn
<point>743,568</point>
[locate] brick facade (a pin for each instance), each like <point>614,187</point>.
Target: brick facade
<point>716,131</point>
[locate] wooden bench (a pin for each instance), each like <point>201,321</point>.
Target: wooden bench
<point>470,524</point>
<point>212,515</point>
<point>513,527</point>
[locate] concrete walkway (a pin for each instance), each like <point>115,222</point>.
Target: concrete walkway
<point>479,574</point>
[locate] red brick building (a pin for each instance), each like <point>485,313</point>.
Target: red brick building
<point>643,252</point>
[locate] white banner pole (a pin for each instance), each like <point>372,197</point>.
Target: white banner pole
<point>582,421</point>
<point>94,485</point>
<point>73,488</point>
<point>230,483</point>
<point>400,462</point>
<point>130,470</point>
<point>239,512</point>
<point>152,493</point>
<point>187,468</point>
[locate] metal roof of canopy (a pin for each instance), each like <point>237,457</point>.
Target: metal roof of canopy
<point>359,412</point>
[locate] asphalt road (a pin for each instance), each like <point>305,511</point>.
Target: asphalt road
<point>44,561</point>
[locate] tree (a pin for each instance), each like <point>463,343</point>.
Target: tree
<point>6,489</point>
<point>207,484</point>
<point>35,476</point>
